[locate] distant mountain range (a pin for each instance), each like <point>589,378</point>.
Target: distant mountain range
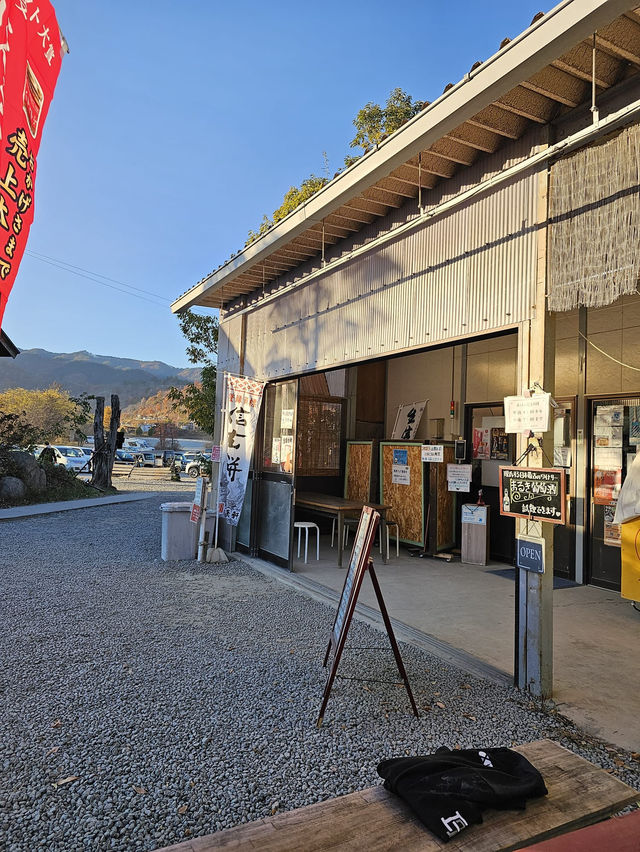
<point>98,375</point>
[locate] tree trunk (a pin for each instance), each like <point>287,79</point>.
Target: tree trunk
<point>104,449</point>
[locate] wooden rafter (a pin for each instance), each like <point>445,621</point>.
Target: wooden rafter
<point>366,205</point>
<point>332,230</point>
<point>459,159</point>
<point>509,134</point>
<point>429,167</point>
<point>364,218</point>
<point>354,226</point>
<point>401,190</point>
<point>579,73</point>
<point>296,252</point>
<point>476,146</point>
<point>530,116</point>
<point>617,51</point>
<point>547,93</point>
<point>395,203</point>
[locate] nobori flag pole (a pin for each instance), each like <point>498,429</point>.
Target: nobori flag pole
<point>219,555</point>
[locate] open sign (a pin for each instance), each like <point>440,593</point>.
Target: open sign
<point>530,554</point>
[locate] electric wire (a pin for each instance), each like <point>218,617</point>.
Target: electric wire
<point>94,277</point>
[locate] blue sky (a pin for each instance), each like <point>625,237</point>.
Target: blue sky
<point>176,126</point>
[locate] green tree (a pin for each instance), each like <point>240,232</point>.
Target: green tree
<point>51,413</point>
<point>294,197</point>
<point>374,123</point>
<point>198,399</point>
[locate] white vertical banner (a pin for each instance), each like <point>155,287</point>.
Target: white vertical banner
<point>242,407</point>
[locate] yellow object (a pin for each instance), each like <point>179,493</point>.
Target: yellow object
<point>630,581</point>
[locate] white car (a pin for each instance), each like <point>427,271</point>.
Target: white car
<point>72,458</point>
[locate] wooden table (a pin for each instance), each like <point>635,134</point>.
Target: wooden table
<point>579,794</point>
<point>338,507</point>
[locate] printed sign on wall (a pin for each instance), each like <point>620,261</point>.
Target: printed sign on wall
<point>407,420</point>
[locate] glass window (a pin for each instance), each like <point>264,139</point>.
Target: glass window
<point>279,415</point>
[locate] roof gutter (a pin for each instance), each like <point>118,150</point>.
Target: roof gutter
<point>551,36</point>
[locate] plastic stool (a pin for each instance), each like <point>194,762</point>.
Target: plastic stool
<point>306,526</point>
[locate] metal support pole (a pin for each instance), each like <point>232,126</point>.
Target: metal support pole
<point>594,109</point>
<point>534,596</point>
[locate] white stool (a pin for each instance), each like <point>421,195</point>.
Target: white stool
<point>306,526</point>
<point>392,524</point>
<point>345,530</point>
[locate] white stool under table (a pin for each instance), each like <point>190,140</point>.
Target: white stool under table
<point>306,526</point>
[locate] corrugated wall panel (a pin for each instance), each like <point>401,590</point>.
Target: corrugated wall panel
<point>467,273</point>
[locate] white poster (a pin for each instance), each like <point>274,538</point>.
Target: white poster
<point>244,397</point>
<point>527,414</point>
<point>401,474</point>
<point>407,421</point>
<point>286,419</point>
<point>432,452</point>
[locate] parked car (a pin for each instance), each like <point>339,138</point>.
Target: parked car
<point>146,459</point>
<point>70,457</point>
<point>200,466</point>
<point>176,457</point>
<point>123,457</point>
<point>88,452</point>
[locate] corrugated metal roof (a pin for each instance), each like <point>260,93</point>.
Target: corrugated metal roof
<point>542,74</point>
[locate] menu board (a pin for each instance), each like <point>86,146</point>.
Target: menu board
<point>533,492</point>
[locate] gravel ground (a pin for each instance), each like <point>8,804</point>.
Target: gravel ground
<point>147,702</point>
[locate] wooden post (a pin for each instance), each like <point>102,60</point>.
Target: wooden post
<point>104,450</point>
<point>534,598</point>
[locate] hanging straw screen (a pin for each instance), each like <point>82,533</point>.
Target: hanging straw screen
<point>594,241</point>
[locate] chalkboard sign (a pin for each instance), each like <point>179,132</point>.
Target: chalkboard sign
<point>537,493</point>
<point>369,520</point>
<point>359,563</point>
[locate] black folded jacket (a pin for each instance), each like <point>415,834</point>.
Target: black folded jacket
<point>449,790</point>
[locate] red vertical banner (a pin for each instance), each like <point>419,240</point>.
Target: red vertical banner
<point>30,59</point>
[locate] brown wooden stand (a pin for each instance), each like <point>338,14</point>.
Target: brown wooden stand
<point>358,566</point>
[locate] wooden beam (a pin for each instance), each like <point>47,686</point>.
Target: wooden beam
<point>491,128</point>
<point>561,65</point>
<point>289,251</point>
<point>633,15</point>
<point>476,146</point>
<point>554,96</point>
<point>328,224</point>
<point>403,193</point>
<point>330,228</point>
<point>396,203</point>
<point>462,161</point>
<point>432,170</point>
<point>366,205</point>
<point>361,217</point>
<point>616,51</point>
<point>352,219</point>
<point>521,112</point>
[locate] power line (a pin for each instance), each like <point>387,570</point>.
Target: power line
<point>92,276</point>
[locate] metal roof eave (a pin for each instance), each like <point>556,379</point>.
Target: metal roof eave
<point>7,346</point>
<point>558,31</point>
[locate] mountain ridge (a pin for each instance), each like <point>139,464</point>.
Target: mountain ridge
<point>97,375</point>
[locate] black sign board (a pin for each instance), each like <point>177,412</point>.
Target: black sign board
<point>537,493</point>
<point>359,563</point>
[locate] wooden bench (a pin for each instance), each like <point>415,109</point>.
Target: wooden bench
<point>378,821</point>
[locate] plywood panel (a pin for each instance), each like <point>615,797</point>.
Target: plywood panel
<point>357,477</point>
<point>406,501</point>
<point>445,529</point>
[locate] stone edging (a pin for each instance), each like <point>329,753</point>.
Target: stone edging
<point>66,505</point>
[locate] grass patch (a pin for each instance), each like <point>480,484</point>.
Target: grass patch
<point>62,485</point>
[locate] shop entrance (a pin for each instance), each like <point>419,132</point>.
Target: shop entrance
<point>275,480</point>
<point>491,447</point>
<point>615,437</point>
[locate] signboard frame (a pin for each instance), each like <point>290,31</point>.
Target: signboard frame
<point>359,563</point>
<point>562,478</point>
